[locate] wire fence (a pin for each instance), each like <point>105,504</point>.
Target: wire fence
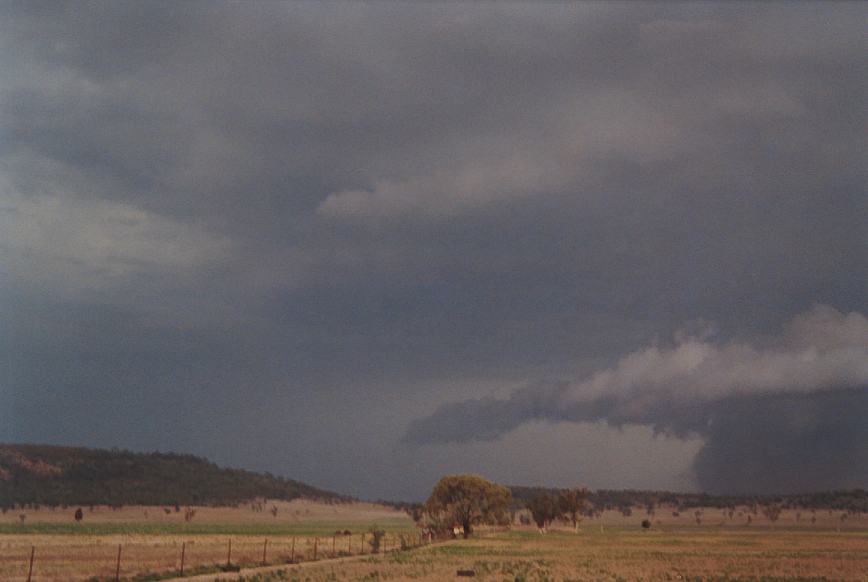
<point>98,559</point>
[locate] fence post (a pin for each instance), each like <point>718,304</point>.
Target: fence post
<point>292,551</point>
<point>362,550</point>
<point>229,554</point>
<point>264,550</point>
<point>118,566</point>
<point>314,548</point>
<point>183,551</point>
<point>30,570</point>
<point>334,541</point>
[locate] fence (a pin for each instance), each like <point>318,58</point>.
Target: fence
<point>70,558</point>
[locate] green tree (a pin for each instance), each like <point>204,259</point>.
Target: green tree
<point>468,500</point>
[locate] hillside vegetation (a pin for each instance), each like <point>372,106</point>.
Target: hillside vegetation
<point>54,475</point>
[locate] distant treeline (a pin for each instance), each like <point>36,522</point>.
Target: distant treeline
<point>601,499</point>
<point>56,476</point>
<point>852,500</point>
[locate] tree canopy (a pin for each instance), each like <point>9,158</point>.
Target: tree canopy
<point>571,503</point>
<point>468,500</point>
<point>543,509</point>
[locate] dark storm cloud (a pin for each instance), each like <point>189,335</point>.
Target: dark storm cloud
<point>780,443</point>
<point>234,211</point>
<point>787,443</point>
<point>790,411</point>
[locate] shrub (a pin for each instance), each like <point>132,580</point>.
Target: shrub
<point>376,538</point>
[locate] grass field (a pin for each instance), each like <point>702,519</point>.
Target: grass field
<point>312,528</point>
<point>618,555</point>
<point>152,538</point>
<point>612,548</point>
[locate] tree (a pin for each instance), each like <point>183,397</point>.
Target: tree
<point>543,509</point>
<point>79,514</point>
<point>571,503</point>
<point>772,511</point>
<point>376,539</point>
<point>415,511</point>
<point>468,500</point>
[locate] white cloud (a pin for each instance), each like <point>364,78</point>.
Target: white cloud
<point>75,244</point>
<point>472,184</point>
<point>820,349</point>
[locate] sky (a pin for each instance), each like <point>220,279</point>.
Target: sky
<point>363,245</point>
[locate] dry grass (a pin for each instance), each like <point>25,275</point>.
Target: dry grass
<point>612,548</point>
<point>63,557</point>
<point>620,555</point>
<point>153,543</point>
<point>709,516</point>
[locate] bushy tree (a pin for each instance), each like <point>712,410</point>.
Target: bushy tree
<point>543,509</point>
<point>415,511</point>
<point>772,511</point>
<point>571,503</point>
<point>468,500</point>
<point>376,539</point>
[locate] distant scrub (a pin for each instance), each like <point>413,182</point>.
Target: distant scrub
<point>854,500</point>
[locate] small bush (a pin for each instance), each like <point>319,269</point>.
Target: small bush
<point>376,539</point>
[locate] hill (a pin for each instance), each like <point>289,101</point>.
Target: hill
<point>54,475</point>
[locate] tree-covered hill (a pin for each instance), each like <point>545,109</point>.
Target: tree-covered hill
<point>54,475</point>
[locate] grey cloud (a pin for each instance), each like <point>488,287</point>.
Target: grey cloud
<point>490,418</point>
<point>300,203</point>
<point>786,443</point>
